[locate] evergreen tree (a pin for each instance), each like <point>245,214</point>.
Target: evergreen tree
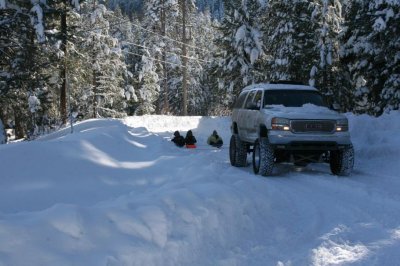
<point>240,48</point>
<point>217,103</point>
<point>128,35</point>
<point>149,87</point>
<point>214,7</point>
<point>289,37</point>
<point>60,21</point>
<point>280,40</point>
<point>160,19</point>
<point>387,33</point>
<point>200,89</point>
<point>102,55</point>
<point>328,73</point>
<point>199,33</point>
<point>23,61</point>
<point>370,51</point>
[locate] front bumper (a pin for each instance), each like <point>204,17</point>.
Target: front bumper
<point>310,146</point>
<point>316,142</point>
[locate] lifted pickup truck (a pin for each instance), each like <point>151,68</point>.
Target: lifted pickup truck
<point>288,123</point>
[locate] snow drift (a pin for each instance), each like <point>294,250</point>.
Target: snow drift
<point>118,192</point>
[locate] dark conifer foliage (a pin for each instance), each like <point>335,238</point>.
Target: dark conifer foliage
<point>370,48</point>
<point>240,50</point>
<point>289,37</point>
<point>24,68</point>
<point>109,58</point>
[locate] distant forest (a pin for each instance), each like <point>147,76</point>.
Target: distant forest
<point>136,7</point>
<point>66,60</point>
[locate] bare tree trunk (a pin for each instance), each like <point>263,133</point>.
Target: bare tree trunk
<point>19,125</point>
<point>94,88</point>
<point>63,93</point>
<point>184,58</point>
<point>94,81</point>
<point>3,135</point>
<point>164,59</point>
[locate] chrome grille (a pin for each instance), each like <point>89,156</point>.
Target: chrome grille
<point>317,126</point>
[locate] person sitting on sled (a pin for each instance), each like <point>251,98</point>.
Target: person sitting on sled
<point>178,139</point>
<point>190,140</point>
<point>215,140</point>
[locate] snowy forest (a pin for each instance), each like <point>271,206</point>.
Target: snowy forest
<point>64,60</point>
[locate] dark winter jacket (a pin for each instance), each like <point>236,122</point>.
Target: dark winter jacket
<point>178,139</point>
<point>215,140</point>
<point>190,139</point>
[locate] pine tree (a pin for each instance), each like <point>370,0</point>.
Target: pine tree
<point>280,34</point>
<point>102,54</point>
<point>149,87</point>
<point>386,26</point>
<point>24,64</point>
<point>216,102</point>
<point>160,17</point>
<point>240,48</point>
<point>170,44</point>
<point>200,53</point>
<point>370,50</point>
<point>59,19</point>
<point>213,7</point>
<point>128,35</point>
<point>328,74</point>
<point>289,38</point>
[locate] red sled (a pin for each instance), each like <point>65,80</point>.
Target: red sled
<point>191,146</point>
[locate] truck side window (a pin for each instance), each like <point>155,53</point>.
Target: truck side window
<point>240,100</point>
<point>249,100</point>
<point>258,99</point>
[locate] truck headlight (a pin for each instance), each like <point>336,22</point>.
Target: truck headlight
<point>342,125</point>
<point>278,123</point>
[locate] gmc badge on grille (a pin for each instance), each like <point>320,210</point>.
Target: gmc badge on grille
<point>313,126</point>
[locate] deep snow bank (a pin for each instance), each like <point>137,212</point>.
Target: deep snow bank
<point>376,137</point>
<point>118,192</point>
<point>202,127</point>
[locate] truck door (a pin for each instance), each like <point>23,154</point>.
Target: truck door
<point>253,116</point>
<point>247,112</point>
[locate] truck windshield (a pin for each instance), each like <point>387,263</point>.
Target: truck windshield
<point>292,98</point>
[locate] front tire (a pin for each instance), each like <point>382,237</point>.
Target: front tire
<point>263,157</point>
<point>342,162</point>
<point>237,151</point>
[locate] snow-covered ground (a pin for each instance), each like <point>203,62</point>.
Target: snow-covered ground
<point>118,192</point>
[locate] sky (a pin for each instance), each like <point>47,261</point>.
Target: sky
<point>119,192</point>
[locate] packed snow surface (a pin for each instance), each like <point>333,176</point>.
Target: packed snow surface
<point>118,192</point>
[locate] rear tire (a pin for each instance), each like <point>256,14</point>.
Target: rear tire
<point>237,151</point>
<point>263,157</point>
<point>342,161</point>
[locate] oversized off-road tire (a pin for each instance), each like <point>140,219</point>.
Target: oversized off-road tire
<point>237,151</point>
<point>342,161</point>
<point>263,157</point>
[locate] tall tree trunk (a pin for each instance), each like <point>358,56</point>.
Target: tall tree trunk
<point>164,59</point>
<point>3,136</point>
<point>94,84</point>
<point>184,58</point>
<point>94,80</point>
<point>63,94</point>
<point>19,125</point>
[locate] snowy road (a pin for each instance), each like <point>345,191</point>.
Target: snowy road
<point>122,194</point>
